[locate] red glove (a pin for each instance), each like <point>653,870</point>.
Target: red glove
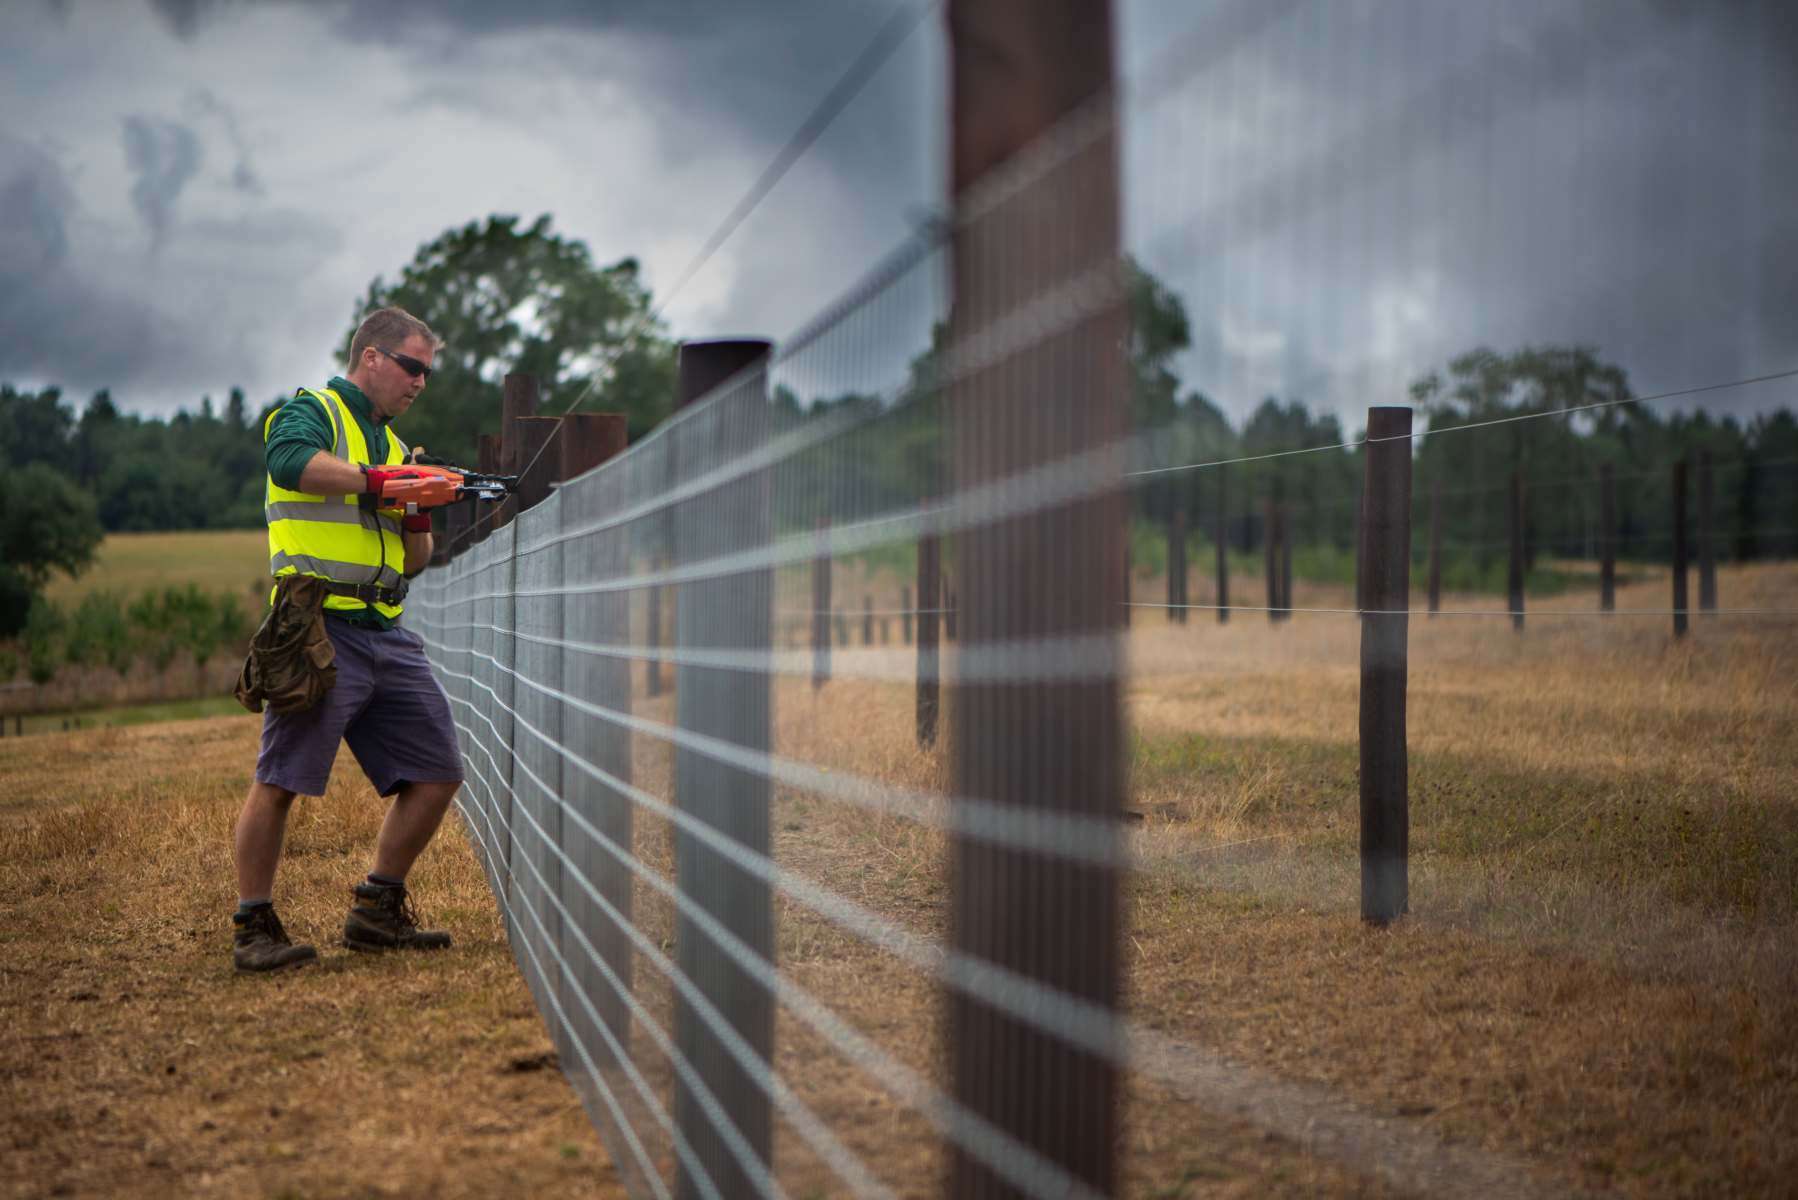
<point>426,487</point>
<point>416,522</point>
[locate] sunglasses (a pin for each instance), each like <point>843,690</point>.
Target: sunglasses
<point>408,364</point>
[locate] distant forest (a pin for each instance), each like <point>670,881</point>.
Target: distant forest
<point>204,469</point>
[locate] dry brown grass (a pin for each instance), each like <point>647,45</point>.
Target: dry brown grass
<point>1597,981</point>
<point>133,1061</point>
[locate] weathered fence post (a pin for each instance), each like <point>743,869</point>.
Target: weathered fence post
<point>867,619</point>
<point>1223,547</point>
<point>1679,548</point>
<point>1607,538</point>
<point>1285,520</point>
<point>905,613</point>
<point>489,462</point>
<point>1707,548</point>
<point>600,617</point>
<point>456,520</point>
<point>518,399</point>
<point>539,610</point>
<point>1270,553</point>
<point>951,611</point>
<point>929,677</point>
<point>1176,567</point>
<point>1017,67</point>
<point>821,606</point>
<point>1435,546</point>
<point>727,612</point>
<point>1385,625</point>
<point>1514,571</point>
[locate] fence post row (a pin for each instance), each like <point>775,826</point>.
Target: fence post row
<point>1385,589</point>
<point>729,612</point>
<point>1016,67</point>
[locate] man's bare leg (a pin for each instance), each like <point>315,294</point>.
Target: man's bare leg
<point>411,822</point>
<point>382,918</point>
<point>260,943</point>
<point>261,826</point>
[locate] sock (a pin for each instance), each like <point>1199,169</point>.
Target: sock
<point>245,907</point>
<point>384,881</point>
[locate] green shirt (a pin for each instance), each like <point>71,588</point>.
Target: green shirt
<point>300,430</point>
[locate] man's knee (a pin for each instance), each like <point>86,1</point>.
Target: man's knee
<point>271,795</point>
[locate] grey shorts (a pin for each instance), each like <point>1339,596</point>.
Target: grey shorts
<point>386,704</point>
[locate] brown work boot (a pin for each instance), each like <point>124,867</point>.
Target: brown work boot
<point>383,919</point>
<point>260,944</point>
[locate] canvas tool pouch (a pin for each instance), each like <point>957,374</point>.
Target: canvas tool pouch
<point>292,663</point>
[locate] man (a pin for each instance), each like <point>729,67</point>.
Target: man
<point>329,455</point>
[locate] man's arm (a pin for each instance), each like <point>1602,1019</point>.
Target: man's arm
<point>327,475</point>
<point>418,551</point>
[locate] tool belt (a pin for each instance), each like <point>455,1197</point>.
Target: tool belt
<point>368,593</point>
<point>292,663</point>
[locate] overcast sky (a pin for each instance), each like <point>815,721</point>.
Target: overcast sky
<point>193,194</point>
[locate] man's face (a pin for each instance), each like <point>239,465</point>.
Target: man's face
<point>391,388</point>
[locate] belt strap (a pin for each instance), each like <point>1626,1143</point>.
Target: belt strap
<point>368,593</point>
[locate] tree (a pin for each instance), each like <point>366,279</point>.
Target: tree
<point>47,524</point>
<point>504,300</point>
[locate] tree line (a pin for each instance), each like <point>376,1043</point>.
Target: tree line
<point>512,297</point>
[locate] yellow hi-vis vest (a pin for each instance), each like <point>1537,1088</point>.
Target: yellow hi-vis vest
<point>334,537</point>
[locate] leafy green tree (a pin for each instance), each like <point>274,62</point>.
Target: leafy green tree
<point>47,524</point>
<point>506,299</point>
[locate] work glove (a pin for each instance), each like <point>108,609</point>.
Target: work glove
<point>415,521</point>
<point>427,487</point>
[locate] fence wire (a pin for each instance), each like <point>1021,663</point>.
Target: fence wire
<point>817,746</point>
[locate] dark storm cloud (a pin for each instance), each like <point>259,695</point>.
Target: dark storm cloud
<point>164,156</point>
<point>201,102</point>
<point>52,322</point>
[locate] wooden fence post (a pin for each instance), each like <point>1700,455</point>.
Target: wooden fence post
<point>1176,567</point>
<point>1435,546</point>
<point>821,606</point>
<point>929,681</point>
<point>1016,68</point>
<point>1607,538</point>
<point>1284,517</point>
<point>1707,545</point>
<point>1679,548</point>
<point>1514,572</point>
<point>1385,624</point>
<point>905,613</point>
<point>1270,553</point>
<point>600,618</point>
<point>518,399</point>
<point>1223,547</point>
<point>867,620</point>
<point>729,612</point>
<point>489,463</point>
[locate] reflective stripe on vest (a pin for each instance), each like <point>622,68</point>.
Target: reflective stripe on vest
<point>334,537</point>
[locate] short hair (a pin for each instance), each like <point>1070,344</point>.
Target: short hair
<point>387,328</point>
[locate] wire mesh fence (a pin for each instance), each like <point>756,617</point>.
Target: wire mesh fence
<point>867,820</point>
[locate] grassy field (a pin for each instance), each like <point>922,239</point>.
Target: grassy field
<point>1597,987</point>
<point>215,560</point>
